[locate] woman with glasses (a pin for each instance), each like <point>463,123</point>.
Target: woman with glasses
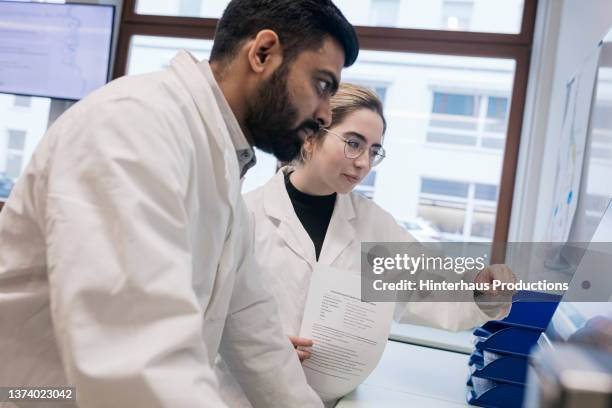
<point>308,214</point>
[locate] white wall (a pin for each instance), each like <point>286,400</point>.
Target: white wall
<point>583,24</point>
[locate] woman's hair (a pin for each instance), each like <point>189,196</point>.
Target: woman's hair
<point>349,99</point>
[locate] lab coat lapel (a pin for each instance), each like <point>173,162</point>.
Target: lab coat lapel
<point>340,232</point>
<point>226,160</point>
<point>277,205</point>
<point>195,82</point>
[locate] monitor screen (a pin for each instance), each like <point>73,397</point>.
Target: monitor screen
<point>587,322</point>
<point>54,50</point>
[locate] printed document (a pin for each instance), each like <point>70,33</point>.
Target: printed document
<point>349,335</point>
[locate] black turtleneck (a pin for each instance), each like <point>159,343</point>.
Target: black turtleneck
<point>314,212</point>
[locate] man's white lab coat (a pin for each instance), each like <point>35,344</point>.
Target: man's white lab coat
<point>126,260</point>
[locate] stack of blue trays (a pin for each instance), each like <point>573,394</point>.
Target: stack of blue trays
<point>498,365</point>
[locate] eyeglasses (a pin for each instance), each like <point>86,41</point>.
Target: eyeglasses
<point>354,147</point>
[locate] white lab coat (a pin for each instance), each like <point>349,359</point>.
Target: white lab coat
<point>126,261</point>
<point>287,257</point>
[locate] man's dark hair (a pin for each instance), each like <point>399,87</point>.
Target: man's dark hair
<point>300,25</point>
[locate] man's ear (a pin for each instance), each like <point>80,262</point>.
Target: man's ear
<point>265,52</point>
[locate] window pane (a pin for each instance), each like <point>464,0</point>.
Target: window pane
<point>183,8</point>
<point>454,104</point>
<point>261,173</point>
<point>20,131</point>
<point>457,15</point>
<point>13,165</point>
<point>497,108</point>
<point>370,179</point>
<point>16,139</point>
<point>485,117</point>
<point>455,111</point>
<point>447,217</point>
<point>367,185</point>
<point>486,192</point>
<point>384,12</point>
<point>420,177</point>
<point>497,115</point>
<point>442,187</point>
<point>602,116</point>
<point>411,82</point>
<point>22,101</point>
<point>483,222</point>
<point>498,16</point>
<point>377,87</point>
<point>381,91</point>
<point>601,152</point>
<point>465,140</point>
<point>493,142</point>
<point>454,122</point>
<point>149,54</point>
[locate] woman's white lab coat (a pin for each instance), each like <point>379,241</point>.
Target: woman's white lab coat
<point>287,257</point>
<point>126,259</point>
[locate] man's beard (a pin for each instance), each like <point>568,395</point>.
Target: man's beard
<point>270,115</point>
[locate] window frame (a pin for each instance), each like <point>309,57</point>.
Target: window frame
<point>458,43</point>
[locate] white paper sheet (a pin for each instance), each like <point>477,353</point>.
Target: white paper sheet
<point>349,335</point>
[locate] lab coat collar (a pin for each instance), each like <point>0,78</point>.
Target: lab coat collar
<point>238,138</point>
<point>277,205</point>
<point>244,152</point>
<point>340,232</point>
<point>214,108</point>
<point>186,67</point>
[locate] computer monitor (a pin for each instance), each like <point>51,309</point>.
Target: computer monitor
<point>583,321</point>
<point>54,50</point>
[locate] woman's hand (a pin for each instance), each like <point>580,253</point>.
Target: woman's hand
<point>301,342</point>
<point>498,272</point>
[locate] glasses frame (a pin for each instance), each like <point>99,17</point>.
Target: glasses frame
<point>382,153</point>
